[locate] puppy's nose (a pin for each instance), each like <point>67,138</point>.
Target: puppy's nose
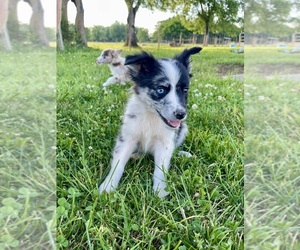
<point>180,114</point>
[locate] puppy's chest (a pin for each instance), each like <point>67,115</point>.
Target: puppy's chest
<point>118,68</point>
<point>148,129</point>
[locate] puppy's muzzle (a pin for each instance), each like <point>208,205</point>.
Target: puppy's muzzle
<point>179,114</point>
<point>98,61</point>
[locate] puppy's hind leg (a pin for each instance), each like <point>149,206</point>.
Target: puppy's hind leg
<point>162,158</point>
<point>121,154</point>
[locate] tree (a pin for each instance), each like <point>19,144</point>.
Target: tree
<point>37,21</point>
<point>270,16</point>
<point>117,32</point>
<point>12,22</point>
<point>132,6</point>
<point>173,28</point>
<point>80,36</point>
<point>37,27</point>
<point>202,16</point>
<point>79,23</point>
<point>100,34</point>
<point>143,35</point>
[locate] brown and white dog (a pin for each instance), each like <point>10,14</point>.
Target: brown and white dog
<point>116,63</point>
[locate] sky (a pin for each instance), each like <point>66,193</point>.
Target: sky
<point>96,12</point>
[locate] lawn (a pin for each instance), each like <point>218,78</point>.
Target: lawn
<point>272,149</point>
<point>27,149</point>
<point>205,207</point>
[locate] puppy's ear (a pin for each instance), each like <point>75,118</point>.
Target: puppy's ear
<point>184,57</point>
<point>140,63</point>
<point>119,51</point>
<point>115,53</point>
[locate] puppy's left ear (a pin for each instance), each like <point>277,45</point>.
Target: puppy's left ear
<point>119,51</point>
<point>140,63</point>
<point>184,57</point>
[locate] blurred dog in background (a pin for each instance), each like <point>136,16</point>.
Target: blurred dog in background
<point>116,63</point>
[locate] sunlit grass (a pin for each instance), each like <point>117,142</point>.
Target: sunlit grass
<point>27,150</point>
<point>205,206</point>
<point>272,147</point>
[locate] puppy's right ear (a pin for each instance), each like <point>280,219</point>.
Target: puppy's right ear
<point>140,63</point>
<point>119,51</point>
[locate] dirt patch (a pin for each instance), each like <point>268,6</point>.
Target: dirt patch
<point>274,69</point>
<point>230,69</point>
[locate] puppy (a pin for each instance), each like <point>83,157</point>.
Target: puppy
<point>116,64</point>
<point>154,120</point>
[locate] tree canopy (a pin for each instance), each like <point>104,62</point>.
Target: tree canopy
<point>271,16</point>
<point>202,16</point>
<point>172,28</point>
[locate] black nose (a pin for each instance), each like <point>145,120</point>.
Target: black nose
<point>180,114</point>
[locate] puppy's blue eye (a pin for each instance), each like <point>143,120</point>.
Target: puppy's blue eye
<point>160,91</point>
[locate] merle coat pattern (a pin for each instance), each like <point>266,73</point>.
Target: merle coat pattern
<point>154,120</point>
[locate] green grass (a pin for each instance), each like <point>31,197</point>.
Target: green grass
<point>272,150</point>
<point>27,149</point>
<point>205,207</point>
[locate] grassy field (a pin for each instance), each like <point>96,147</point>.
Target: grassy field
<point>205,207</point>
<point>272,149</point>
<point>27,149</point>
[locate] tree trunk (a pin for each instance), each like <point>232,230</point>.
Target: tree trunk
<point>64,23</point>
<point>206,36</point>
<point>37,21</point>
<point>131,39</point>
<point>13,22</point>
<point>3,13</point>
<point>58,13</point>
<point>64,9</point>
<point>59,38</point>
<point>3,20</point>
<point>79,22</point>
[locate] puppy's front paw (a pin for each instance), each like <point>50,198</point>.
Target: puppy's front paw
<point>105,84</point>
<point>106,187</point>
<point>184,153</point>
<point>162,193</point>
<point>159,189</point>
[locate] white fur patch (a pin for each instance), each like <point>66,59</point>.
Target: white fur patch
<point>171,71</point>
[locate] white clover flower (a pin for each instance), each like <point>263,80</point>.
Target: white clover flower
<point>194,106</point>
<point>221,98</point>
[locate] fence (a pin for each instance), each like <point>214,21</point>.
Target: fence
<point>265,39</point>
<point>213,39</point>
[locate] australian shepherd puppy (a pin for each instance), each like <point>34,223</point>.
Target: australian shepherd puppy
<point>154,120</point>
<point>116,62</point>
